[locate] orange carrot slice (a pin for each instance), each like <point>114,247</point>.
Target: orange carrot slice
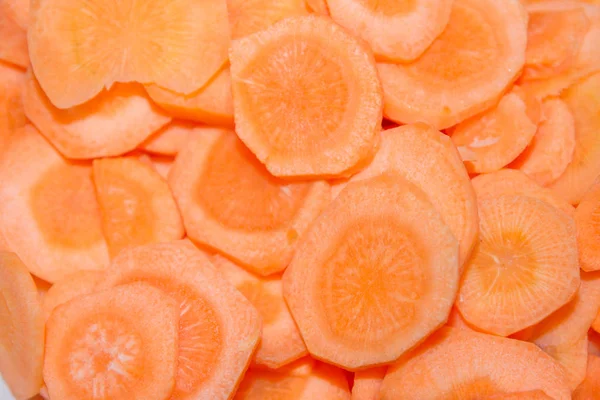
<point>586,220</point>
<point>231,203</point>
<point>318,6</point>
<point>115,344</point>
<point>376,273</point>
<point>22,329</point>
<point>464,71</point>
<point>13,31</point>
<point>280,342</point>
<point>12,115</point>
<point>323,85</point>
<point>74,285</point>
<point>367,383</point>
<point>590,387</point>
<point>171,138</point>
<point>48,204</point>
<point>250,16</point>
<point>399,31</point>
<point>449,365</point>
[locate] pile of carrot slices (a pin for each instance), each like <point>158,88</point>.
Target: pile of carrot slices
<point>300,199</point>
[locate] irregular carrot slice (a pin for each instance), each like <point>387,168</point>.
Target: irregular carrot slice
<point>48,204</point>
<point>399,31</point>
<point>464,71</point>
<point>367,383</point>
<point>587,218</point>
<point>450,365</point>
<point>119,343</point>
<point>179,45</point>
<point>376,273</point>
<point>524,268</point>
<point>74,285</point>
<point>280,342</point>
<point>218,328</point>
<point>13,31</point>
<point>12,115</point>
<point>307,98</point>
<point>318,6</point>
<point>231,203</point>
<point>590,387</point>
<point>22,328</point>
<point>250,16</point>
<point>211,104</point>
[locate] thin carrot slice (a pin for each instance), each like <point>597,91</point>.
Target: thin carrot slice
<point>455,363</point>
<point>250,16</point>
<point>524,268</point>
<point>367,383</point>
<point>12,115</point>
<point>464,71</point>
<point>307,98</point>
<point>115,344</point>
<point>49,215</point>
<point>113,123</point>
<point>211,104</point>
<point>280,342</point>
<point>396,30</point>
<point>587,219</point>
<point>231,203</point>
<point>179,45</point>
<point>376,273</point>
<point>590,387</point>
<point>162,165</point>
<point>13,31</point>
<point>318,6</point>
<point>74,285</point>
<point>22,328</point>
<point>218,328</point>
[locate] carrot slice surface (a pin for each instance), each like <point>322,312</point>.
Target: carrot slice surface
<point>74,285</point>
<point>318,7</point>
<point>12,115</point>
<point>169,140</point>
<point>367,383</point>
<point>250,16</point>
<point>13,31</point>
<point>587,220</point>
<point>590,387</point>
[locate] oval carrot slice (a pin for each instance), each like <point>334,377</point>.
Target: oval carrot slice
<point>231,203</point>
<point>13,31</point>
<point>74,285</point>
<point>587,219</point>
<point>396,30</point>
<point>307,98</point>
<point>376,273</point>
<point>450,364</point>
<point>464,71</point>
<point>367,383</point>
<point>526,260</point>
<point>22,329</point>
<point>169,139</point>
<point>119,343</point>
<point>12,115</point>
<point>48,204</point>
<point>250,16</point>
<point>590,387</point>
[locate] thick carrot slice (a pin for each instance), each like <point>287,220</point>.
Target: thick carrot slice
<point>13,31</point>
<point>587,218</point>
<point>22,328</point>
<point>376,273</point>
<point>48,204</point>
<point>318,6</point>
<point>307,98</point>
<point>12,115</point>
<point>280,342</point>
<point>218,328</point>
<point>367,383</point>
<point>250,16</point>
<point>524,268</point>
<point>115,344</point>
<point>464,71</point>
<point>231,203</point>
<point>179,45</point>
<point>399,31</point>
<point>590,387</point>
<point>74,285</point>
<point>113,123</point>
<point>455,363</point>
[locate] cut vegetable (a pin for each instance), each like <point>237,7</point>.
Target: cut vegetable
<point>587,220</point>
<point>376,273</point>
<point>72,286</point>
<point>231,203</point>
<point>250,16</point>
<point>590,388</point>
<point>455,320</point>
<point>307,98</point>
<point>13,31</point>
<point>12,116</point>
<point>170,139</point>
<point>367,383</point>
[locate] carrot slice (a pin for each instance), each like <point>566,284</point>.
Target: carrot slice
<point>280,342</point>
<point>590,387</point>
<point>48,204</point>
<point>250,16</point>
<point>524,268</point>
<point>218,328</point>
<point>22,328</point>
<point>450,365</point>
<point>307,98</point>
<point>211,104</point>
<point>13,31</point>
<point>231,203</point>
<point>376,273</point>
<point>586,220</point>
<point>169,139</point>
<point>74,285</point>
<point>12,115</point>
<point>399,31</point>
<point>179,45</point>
<point>593,343</point>
<point>318,6</point>
<point>41,285</point>
<point>464,71</point>
<point>367,383</point>
<point>115,344</point>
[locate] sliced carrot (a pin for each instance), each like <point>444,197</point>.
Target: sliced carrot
<point>13,31</point>
<point>115,344</point>
<point>590,387</point>
<point>250,16</point>
<point>211,104</point>
<point>162,165</point>
<point>376,273</point>
<point>367,383</point>
<point>42,286</point>
<point>587,218</point>
<point>49,215</point>
<point>231,203</point>
<point>74,285</point>
<point>524,268</point>
<point>464,71</point>
<point>318,6</point>
<point>455,320</point>
<point>12,115</point>
<point>169,139</point>
<point>455,363</point>
<point>280,342</point>
<point>399,31</point>
<point>307,98</point>
<point>533,104</point>
<point>21,330</point>
<point>218,328</point>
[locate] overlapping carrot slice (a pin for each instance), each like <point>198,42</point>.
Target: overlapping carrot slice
<point>12,115</point>
<point>367,383</point>
<point>588,230</point>
<point>528,395</point>
<point>590,387</point>
<point>13,31</point>
<point>74,285</point>
<point>162,165</point>
<point>170,139</point>
<point>318,6</point>
<point>250,16</point>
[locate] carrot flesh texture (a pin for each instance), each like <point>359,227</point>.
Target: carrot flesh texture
<point>378,256</point>
<point>250,16</point>
<point>300,120</point>
<point>12,115</point>
<point>22,329</point>
<point>72,286</point>
<point>13,31</point>
<point>170,139</point>
<point>590,387</point>
<point>434,370</point>
<point>399,31</point>
<point>230,202</point>
<point>588,231</point>
<point>367,383</point>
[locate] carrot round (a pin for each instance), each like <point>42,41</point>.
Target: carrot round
<point>367,383</point>
<point>74,285</point>
<point>13,31</point>
<point>169,139</point>
<point>250,16</point>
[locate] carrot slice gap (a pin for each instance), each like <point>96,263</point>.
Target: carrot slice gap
<point>74,285</point>
<point>367,383</point>
<point>250,16</point>
<point>590,387</point>
<point>587,220</point>
<point>13,31</point>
